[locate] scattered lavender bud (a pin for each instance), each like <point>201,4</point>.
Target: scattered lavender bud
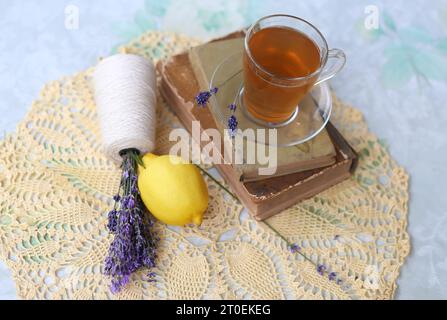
<point>294,248</point>
<point>203,97</point>
<point>232,107</point>
<point>321,269</point>
<point>232,125</point>
<point>332,276</point>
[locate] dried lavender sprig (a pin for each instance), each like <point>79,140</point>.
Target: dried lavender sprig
<point>202,101</point>
<point>293,247</point>
<point>133,246</point>
<point>203,97</point>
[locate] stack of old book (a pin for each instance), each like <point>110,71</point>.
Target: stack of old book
<point>303,170</point>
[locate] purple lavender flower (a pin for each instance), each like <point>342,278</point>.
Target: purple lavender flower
<point>130,202</point>
<point>232,125</point>
<point>232,107</point>
<point>125,175</point>
<point>294,248</point>
<point>133,246</point>
<point>113,216</point>
<point>332,276</point>
<point>321,269</point>
<point>203,97</point>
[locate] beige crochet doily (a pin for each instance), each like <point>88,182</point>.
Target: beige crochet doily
<point>56,188</point>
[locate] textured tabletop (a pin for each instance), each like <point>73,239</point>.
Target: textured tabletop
<point>397,75</point>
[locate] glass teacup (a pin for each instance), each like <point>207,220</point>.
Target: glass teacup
<point>284,58</point>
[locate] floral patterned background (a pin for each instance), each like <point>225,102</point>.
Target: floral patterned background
<point>397,75</point>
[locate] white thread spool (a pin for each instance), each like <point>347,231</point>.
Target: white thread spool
<point>125,94</point>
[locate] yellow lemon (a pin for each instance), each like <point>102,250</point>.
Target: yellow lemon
<point>173,191</point>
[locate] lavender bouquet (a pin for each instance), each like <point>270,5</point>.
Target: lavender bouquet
<point>134,243</point>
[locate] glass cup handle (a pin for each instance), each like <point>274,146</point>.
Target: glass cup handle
<point>336,61</point>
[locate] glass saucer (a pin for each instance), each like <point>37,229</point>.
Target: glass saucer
<point>311,116</point>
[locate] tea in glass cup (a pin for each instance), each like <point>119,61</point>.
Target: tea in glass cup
<point>284,58</point>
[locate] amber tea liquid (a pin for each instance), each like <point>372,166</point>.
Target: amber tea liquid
<point>282,53</point>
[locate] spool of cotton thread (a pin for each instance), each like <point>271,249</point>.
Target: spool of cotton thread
<point>125,87</point>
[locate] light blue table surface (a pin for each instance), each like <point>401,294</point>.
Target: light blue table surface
<point>397,75</point>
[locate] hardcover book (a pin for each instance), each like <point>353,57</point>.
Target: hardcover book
<point>263,198</point>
